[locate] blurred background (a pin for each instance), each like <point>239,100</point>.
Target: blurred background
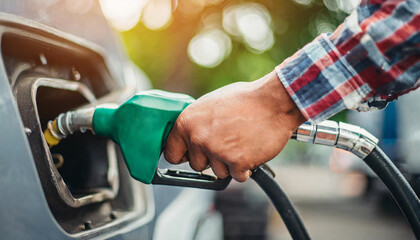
<point>206,44</point>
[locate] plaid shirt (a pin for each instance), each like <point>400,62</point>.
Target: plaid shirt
<point>370,59</point>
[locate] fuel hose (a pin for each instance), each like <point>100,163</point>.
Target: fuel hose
<point>397,185</point>
<point>265,179</point>
<point>364,145</point>
<point>378,162</point>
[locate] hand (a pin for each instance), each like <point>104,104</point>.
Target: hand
<point>235,128</point>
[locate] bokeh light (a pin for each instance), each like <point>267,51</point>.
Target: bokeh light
<point>346,6</point>
<point>303,2</point>
<point>206,44</point>
<point>250,22</point>
<point>332,5</point>
<point>229,21</point>
<point>122,14</point>
<point>324,27</point>
<point>209,48</point>
<point>157,14</point>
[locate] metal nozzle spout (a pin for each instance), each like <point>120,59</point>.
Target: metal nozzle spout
<point>68,123</point>
<point>340,135</point>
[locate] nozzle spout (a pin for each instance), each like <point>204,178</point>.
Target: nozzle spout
<point>340,135</point>
<point>68,123</point>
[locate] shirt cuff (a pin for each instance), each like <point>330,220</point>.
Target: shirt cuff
<point>321,81</point>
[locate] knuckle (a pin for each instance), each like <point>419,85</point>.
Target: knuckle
<point>246,164</point>
<point>234,163</point>
<point>198,139</point>
<point>195,139</point>
<point>182,121</point>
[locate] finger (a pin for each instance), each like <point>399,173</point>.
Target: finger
<point>198,161</point>
<point>219,168</point>
<point>175,148</point>
<point>239,175</point>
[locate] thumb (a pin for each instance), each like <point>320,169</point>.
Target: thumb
<point>176,147</point>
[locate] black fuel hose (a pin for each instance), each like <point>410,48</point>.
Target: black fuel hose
<point>265,179</point>
<point>399,187</point>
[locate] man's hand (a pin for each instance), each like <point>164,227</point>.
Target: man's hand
<point>235,128</point>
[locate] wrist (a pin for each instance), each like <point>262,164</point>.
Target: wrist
<point>275,97</point>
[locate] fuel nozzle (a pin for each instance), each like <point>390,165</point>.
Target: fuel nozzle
<point>139,126</point>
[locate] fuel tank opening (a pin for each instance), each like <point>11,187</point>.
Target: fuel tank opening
<point>87,163</point>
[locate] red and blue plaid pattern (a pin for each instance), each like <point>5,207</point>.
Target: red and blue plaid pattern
<point>370,59</point>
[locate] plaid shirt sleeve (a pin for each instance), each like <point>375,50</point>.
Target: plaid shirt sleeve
<point>371,59</point>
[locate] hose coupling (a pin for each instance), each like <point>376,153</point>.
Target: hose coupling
<point>68,123</point>
<point>340,135</point>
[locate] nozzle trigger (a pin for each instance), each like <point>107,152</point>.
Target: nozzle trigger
<point>192,179</point>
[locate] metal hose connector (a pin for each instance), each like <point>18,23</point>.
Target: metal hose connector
<point>340,135</point>
<point>68,123</point>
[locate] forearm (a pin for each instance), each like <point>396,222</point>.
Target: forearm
<point>366,62</point>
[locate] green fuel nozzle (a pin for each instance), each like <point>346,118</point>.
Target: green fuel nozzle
<point>140,127</point>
